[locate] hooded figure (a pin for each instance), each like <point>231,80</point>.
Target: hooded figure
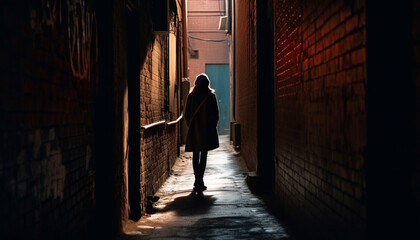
<point>201,116</point>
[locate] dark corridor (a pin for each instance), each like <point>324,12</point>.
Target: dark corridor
<point>323,118</point>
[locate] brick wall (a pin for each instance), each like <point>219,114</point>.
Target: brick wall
<point>47,162</point>
<point>320,114</point>
<point>203,22</point>
<point>159,145</point>
<point>209,5</point>
<point>246,80</point>
<point>208,53</point>
<point>64,119</point>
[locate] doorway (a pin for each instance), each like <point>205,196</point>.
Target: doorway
<point>219,80</point>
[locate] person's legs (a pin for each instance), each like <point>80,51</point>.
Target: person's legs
<point>196,168</point>
<point>203,163</point>
<point>201,169</point>
<point>199,166</point>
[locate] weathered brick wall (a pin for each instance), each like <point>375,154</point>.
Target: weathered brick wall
<point>159,145</point>
<point>208,53</point>
<point>51,108</point>
<point>209,5</point>
<point>203,22</point>
<point>47,172</point>
<point>320,115</point>
<point>246,80</point>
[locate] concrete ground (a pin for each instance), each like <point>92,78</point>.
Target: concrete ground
<point>226,210</point>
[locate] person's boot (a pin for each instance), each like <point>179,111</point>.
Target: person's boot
<point>199,185</point>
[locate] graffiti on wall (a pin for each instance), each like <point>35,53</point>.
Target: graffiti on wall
<point>82,36</point>
<point>81,29</point>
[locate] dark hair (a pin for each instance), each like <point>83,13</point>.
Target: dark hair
<point>202,82</point>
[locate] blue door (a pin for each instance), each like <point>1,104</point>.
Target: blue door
<point>219,80</point>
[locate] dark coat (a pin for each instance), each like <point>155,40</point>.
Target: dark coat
<point>202,133</point>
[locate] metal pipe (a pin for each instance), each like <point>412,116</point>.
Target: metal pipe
<point>204,11</point>
<point>162,122</point>
<point>208,31</point>
<point>153,124</point>
<point>174,122</point>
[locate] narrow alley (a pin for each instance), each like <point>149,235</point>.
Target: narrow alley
<point>226,210</point>
<point>316,105</point>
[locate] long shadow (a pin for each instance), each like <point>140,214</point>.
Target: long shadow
<point>192,204</point>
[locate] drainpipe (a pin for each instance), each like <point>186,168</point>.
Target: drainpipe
<point>184,36</point>
<point>233,32</point>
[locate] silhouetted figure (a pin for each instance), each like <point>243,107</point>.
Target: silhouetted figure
<point>201,116</point>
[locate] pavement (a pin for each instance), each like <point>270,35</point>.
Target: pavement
<point>226,210</point>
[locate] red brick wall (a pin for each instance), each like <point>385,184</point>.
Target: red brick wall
<point>246,80</point>
<point>203,23</point>
<point>320,114</point>
<point>57,179</point>
<point>47,166</point>
<point>208,5</point>
<point>159,145</point>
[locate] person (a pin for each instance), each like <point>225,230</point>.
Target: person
<point>201,116</point>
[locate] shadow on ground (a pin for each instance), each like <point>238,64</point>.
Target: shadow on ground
<point>192,204</point>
